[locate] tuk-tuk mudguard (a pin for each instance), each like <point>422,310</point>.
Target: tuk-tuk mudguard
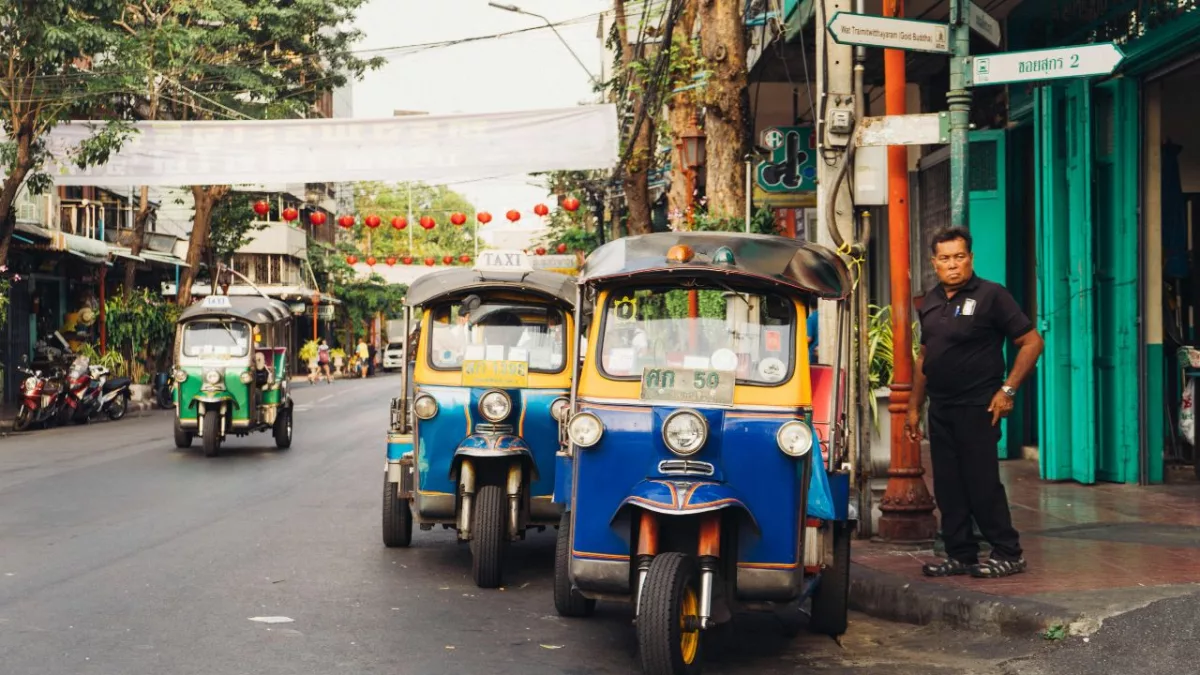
<point>213,400</point>
<point>493,446</point>
<point>681,498</point>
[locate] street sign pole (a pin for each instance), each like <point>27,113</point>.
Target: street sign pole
<point>959,98</point>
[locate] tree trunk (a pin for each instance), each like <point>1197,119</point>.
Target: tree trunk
<point>641,156</point>
<point>205,197</point>
<point>681,115</point>
<point>135,246</point>
<point>12,185</point>
<point>723,41</point>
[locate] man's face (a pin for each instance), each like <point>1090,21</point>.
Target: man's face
<point>953,263</point>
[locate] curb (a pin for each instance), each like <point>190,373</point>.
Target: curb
<point>6,422</point>
<point>894,598</point>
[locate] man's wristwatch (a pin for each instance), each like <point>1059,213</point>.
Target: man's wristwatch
<point>1008,391</point>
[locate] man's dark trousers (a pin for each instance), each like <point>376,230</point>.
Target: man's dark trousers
<point>966,481</point>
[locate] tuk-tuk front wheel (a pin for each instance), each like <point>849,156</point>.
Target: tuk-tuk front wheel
<point>210,432</point>
<point>183,438</point>
<point>488,536</point>
<point>283,428</point>
<point>397,516</point>
<point>668,620</point>
<point>830,602</point>
<point>567,600</point>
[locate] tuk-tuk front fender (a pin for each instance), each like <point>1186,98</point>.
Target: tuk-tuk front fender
<point>681,498</point>
<point>213,399</point>
<point>494,446</point>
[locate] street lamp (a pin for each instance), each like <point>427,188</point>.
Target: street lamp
<point>517,10</point>
<point>694,151</point>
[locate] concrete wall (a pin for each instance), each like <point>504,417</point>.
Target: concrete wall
<point>278,238</point>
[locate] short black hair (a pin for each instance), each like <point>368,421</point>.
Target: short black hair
<point>950,234</point>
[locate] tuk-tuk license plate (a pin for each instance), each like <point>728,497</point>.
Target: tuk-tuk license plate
<point>504,374</point>
<point>688,385</point>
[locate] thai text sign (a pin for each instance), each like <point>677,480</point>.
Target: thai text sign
<point>878,31</point>
<point>688,385</point>
<point>1046,64</point>
<point>503,374</point>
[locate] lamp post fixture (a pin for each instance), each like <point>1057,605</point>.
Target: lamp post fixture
<point>517,10</point>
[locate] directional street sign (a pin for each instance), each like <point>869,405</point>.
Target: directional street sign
<point>983,23</point>
<point>1046,64</point>
<point>920,129</point>
<point>877,31</point>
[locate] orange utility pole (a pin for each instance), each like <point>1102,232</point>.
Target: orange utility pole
<point>907,507</point>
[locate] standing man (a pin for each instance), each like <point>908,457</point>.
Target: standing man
<point>363,355</point>
<point>964,323</point>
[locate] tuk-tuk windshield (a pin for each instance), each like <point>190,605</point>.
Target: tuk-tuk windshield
<point>656,327</point>
<point>217,339</point>
<point>498,331</point>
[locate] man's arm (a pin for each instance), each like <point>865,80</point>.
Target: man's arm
<point>916,399</point>
<point>1030,347</point>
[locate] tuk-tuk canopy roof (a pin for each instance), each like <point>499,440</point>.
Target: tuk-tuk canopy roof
<point>806,267</point>
<point>452,282</point>
<point>255,310</point>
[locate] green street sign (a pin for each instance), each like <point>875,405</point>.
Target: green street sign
<point>1045,64</point>
<point>793,163</point>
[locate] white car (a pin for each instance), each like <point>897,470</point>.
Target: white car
<point>393,356</point>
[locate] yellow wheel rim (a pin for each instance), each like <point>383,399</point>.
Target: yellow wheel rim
<point>689,641</point>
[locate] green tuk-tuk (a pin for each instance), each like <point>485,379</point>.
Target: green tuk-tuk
<point>231,371</point>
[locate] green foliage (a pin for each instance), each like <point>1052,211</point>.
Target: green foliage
<point>362,300</point>
<point>143,326</point>
<point>5,287</point>
<point>309,351</point>
<point>880,356</point>
<point>231,227</point>
<point>761,222</point>
<point>390,200</point>
<point>111,359</point>
<point>567,228</point>
<point>711,304</point>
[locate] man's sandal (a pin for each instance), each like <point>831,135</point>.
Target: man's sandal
<point>994,569</point>
<point>947,568</point>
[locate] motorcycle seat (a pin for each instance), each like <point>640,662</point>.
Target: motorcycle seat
<point>116,383</point>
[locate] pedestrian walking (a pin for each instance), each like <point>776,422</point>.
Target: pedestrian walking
<point>363,354</point>
<point>323,361</point>
<point>964,323</point>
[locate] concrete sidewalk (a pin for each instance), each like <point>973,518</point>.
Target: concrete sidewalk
<point>9,412</point>
<point>1093,551</point>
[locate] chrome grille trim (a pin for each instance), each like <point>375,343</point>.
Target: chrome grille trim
<point>493,428</point>
<point>685,467</point>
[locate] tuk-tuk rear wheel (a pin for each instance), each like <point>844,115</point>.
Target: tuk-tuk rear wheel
<point>830,602</point>
<point>210,432</point>
<point>568,601</point>
<point>669,635</point>
<point>283,428</point>
<point>397,517</point>
<point>488,537</point>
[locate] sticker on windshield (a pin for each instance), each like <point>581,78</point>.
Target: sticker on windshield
<point>625,309</point>
<point>724,359</point>
<point>771,369</point>
<point>774,341</point>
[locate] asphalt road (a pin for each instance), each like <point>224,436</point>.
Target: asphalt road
<point>121,554</point>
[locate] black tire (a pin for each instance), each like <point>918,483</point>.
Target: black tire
<point>165,400</point>
<point>183,439</point>
<point>283,429</point>
<point>568,601</point>
<point>830,602</point>
<point>488,537</point>
<point>397,517</point>
<point>119,406</point>
<point>672,586</point>
<point>24,419</point>
<point>210,432</point>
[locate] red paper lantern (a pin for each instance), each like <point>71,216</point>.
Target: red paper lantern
<point>346,221</point>
<point>428,222</point>
<point>290,214</point>
<point>458,219</point>
<point>464,258</point>
<point>570,204</point>
<point>373,221</point>
<point>446,259</point>
<point>262,208</point>
<point>541,250</point>
<point>317,218</point>
<point>351,260</point>
<point>541,209</point>
<point>371,260</point>
<point>399,222</point>
<point>407,260</point>
<point>513,215</point>
<point>391,260</point>
<point>429,261</point>
<point>561,248</point>
<point>484,217</point>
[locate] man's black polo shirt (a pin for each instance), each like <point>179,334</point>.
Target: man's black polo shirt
<point>964,341</point>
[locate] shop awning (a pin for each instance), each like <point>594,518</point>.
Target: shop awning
<point>91,250</point>
<point>122,252</point>
<point>164,258</point>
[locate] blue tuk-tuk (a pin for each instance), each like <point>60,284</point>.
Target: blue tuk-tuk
<point>476,428</point>
<point>691,484</point>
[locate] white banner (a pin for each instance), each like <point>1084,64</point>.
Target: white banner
<point>428,148</point>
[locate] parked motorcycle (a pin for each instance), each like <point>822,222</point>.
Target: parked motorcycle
<point>90,393</point>
<point>163,390</point>
<point>41,397</point>
<point>114,395</point>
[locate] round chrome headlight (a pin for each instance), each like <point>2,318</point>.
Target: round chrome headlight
<point>495,405</point>
<point>180,376</point>
<point>560,409</point>
<point>795,438</point>
<point>685,432</point>
<point>585,430</point>
<point>247,378</point>
<point>30,383</point>
<point>212,377</point>
<point>425,406</point>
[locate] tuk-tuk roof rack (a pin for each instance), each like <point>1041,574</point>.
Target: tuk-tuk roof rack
<point>245,307</point>
<point>447,283</point>
<point>810,268</point>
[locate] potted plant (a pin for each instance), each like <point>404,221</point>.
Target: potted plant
<point>339,359</point>
<point>308,354</point>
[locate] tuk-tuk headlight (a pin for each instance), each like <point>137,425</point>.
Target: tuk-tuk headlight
<point>247,378</point>
<point>180,376</point>
<point>495,405</point>
<point>425,406</point>
<point>795,438</point>
<point>560,409</point>
<point>212,377</point>
<point>585,430</point>
<point>685,432</point>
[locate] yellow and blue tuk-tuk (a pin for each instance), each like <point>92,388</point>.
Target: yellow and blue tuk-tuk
<point>475,432</point>
<point>691,488</point>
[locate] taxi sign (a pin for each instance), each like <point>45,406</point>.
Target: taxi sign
<point>688,385</point>
<point>502,261</point>
<point>219,301</point>
<point>502,374</point>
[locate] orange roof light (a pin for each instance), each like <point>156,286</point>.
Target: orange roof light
<point>680,253</point>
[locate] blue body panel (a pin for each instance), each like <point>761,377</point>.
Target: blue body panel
<point>839,489</point>
<point>746,460</point>
<point>563,467</point>
<point>397,449</point>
